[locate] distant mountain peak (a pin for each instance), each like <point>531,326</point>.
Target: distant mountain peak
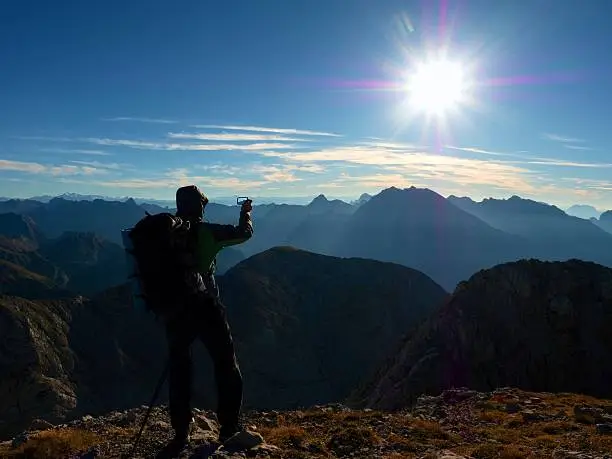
<point>583,211</point>
<point>319,199</point>
<point>523,205</point>
<point>321,203</point>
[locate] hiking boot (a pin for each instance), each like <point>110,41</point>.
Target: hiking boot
<point>241,439</point>
<point>174,447</point>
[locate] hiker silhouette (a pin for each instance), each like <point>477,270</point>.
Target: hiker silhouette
<point>200,313</point>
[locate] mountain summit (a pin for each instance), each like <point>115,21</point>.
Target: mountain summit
<point>421,229</point>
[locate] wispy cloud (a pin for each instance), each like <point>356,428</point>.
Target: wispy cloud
<point>478,150</point>
<point>561,163</point>
<point>392,145</point>
<point>578,147</point>
<point>530,159</point>
<point>21,166</point>
<point>422,166</point>
<point>140,120</point>
<point>234,137</point>
<point>133,183</point>
<point>561,138</point>
<point>143,145</point>
<point>265,129</point>
<point>99,165</point>
<point>56,170</point>
<point>77,151</point>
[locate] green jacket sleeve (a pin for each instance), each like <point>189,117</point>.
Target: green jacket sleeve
<point>225,235</point>
<point>212,237</point>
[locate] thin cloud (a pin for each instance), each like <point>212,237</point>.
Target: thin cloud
<point>235,137</point>
<point>577,147</point>
<point>526,159</point>
<point>21,166</point>
<point>478,150</point>
<point>266,129</point>
<point>561,138</point>
<point>392,145</point>
<point>562,163</point>
<point>142,145</point>
<point>99,165</point>
<point>38,168</point>
<point>422,166</point>
<point>169,146</point>
<point>77,151</point>
<point>133,183</point>
<point>140,120</point>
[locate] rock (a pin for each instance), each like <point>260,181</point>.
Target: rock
<point>20,440</point>
<point>512,408</point>
<point>590,415</point>
<point>564,454</point>
<point>604,429</point>
<point>204,423</point>
<point>532,416</point>
<point>245,440</point>
<point>265,447</point>
<point>458,395</point>
<point>449,455</point>
<point>40,424</point>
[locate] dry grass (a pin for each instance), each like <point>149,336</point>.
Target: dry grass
<point>286,436</point>
<point>54,443</point>
<point>490,451</point>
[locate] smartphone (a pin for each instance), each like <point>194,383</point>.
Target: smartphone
<point>240,200</point>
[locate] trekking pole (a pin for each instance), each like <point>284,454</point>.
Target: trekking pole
<point>150,408</point>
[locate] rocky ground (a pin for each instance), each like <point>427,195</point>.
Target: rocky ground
<point>505,424</point>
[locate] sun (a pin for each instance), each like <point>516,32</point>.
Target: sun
<point>438,87</point>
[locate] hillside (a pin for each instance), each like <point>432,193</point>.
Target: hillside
<point>542,326</point>
<point>459,424</point>
<point>23,270</point>
<point>311,327</point>
<point>34,266</point>
<point>605,221</point>
<point>308,328</point>
<point>91,263</point>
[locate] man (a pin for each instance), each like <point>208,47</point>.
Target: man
<point>201,314</point>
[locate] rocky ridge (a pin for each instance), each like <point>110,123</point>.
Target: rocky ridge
<point>457,424</point>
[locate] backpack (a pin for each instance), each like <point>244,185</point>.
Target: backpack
<point>160,253</point>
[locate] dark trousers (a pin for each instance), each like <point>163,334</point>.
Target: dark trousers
<point>204,318</point>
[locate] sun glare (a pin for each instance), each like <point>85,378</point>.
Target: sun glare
<point>437,87</point>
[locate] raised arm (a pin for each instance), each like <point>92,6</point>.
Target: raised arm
<point>226,235</point>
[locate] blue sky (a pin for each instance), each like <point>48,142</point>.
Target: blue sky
<point>297,98</point>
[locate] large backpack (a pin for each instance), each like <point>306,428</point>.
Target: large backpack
<point>160,253</point>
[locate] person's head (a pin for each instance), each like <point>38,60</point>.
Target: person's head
<point>190,202</point>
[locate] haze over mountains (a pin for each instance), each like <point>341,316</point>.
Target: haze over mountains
<point>449,239</point>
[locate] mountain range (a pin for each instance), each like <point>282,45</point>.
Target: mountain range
<point>449,239</point>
